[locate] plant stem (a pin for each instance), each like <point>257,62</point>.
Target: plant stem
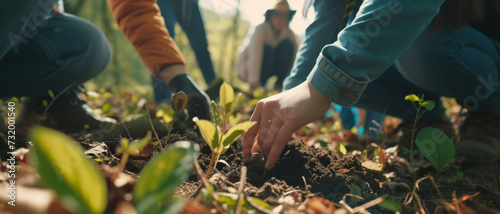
<point>123,162</point>
<point>412,142</point>
<point>212,162</point>
<point>154,131</point>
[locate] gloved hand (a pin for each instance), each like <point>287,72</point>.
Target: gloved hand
<point>198,100</point>
<point>278,117</point>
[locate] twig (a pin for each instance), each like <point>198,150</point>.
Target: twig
<point>154,131</point>
<point>237,209</point>
<point>125,127</point>
<point>347,207</point>
<point>52,101</point>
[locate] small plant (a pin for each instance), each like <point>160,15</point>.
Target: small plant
<point>81,186</point>
<point>64,169</point>
<point>128,148</point>
<point>431,142</point>
<point>213,132</point>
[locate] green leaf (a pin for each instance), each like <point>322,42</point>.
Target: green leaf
<point>63,168</point>
<point>162,175</point>
<point>435,146</point>
<point>208,132</point>
<point>206,194</point>
<point>429,105</point>
<point>51,94</point>
<point>44,102</point>
<point>234,132</point>
<point>214,113</point>
<point>226,96</point>
<point>341,148</point>
<point>230,199</point>
<point>323,144</point>
<point>106,107</point>
<point>390,205</point>
<point>412,97</point>
<point>136,146</point>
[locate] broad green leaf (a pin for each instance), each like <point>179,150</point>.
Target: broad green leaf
<point>435,146</point>
<point>63,168</point>
<point>136,146</point>
<point>51,94</point>
<point>179,101</point>
<point>162,175</point>
<point>214,113</point>
<point>341,148</point>
<point>226,96</point>
<point>234,132</point>
<point>412,97</point>
<point>208,132</point>
<point>429,105</point>
<point>230,199</point>
<point>390,205</point>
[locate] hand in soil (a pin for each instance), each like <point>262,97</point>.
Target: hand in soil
<point>278,117</point>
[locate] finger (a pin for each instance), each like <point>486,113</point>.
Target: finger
<point>265,124</point>
<point>250,134</point>
<point>271,134</point>
<point>256,148</point>
<point>277,147</point>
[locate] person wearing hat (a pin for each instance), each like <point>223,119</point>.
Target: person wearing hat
<point>271,50</point>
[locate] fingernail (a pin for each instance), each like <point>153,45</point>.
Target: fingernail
<point>266,167</point>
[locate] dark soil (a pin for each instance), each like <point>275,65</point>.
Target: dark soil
<point>331,175</point>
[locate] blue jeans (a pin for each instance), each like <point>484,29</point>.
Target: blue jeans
<point>61,51</point>
<point>277,61</point>
<point>188,15</point>
<point>462,64</point>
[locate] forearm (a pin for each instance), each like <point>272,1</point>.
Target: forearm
<point>143,25</point>
<point>381,31</point>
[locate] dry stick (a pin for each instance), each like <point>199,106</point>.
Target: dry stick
<point>204,183</point>
<point>52,101</point>
<point>125,127</point>
<point>237,209</point>
<point>154,131</point>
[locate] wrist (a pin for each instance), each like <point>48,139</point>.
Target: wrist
<point>168,72</point>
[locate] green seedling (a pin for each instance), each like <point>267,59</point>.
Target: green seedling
<point>128,148</point>
<point>213,132</point>
<point>421,108</point>
<point>431,142</point>
<point>62,166</point>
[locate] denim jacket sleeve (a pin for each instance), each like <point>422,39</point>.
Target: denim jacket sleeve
<point>381,31</point>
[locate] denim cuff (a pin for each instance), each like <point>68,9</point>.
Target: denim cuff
<point>335,85</point>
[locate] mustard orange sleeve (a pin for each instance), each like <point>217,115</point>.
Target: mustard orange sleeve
<point>143,25</point>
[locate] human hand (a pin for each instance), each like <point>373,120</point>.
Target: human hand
<point>178,80</point>
<point>278,117</point>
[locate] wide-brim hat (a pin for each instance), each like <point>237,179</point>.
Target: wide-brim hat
<point>282,6</point>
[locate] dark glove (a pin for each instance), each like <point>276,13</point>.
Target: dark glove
<point>198,100</point>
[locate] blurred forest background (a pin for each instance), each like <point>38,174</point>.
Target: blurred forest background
<point>127,73</point>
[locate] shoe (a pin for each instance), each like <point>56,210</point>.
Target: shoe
<point>480,137</point>
<point>68,112</point>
